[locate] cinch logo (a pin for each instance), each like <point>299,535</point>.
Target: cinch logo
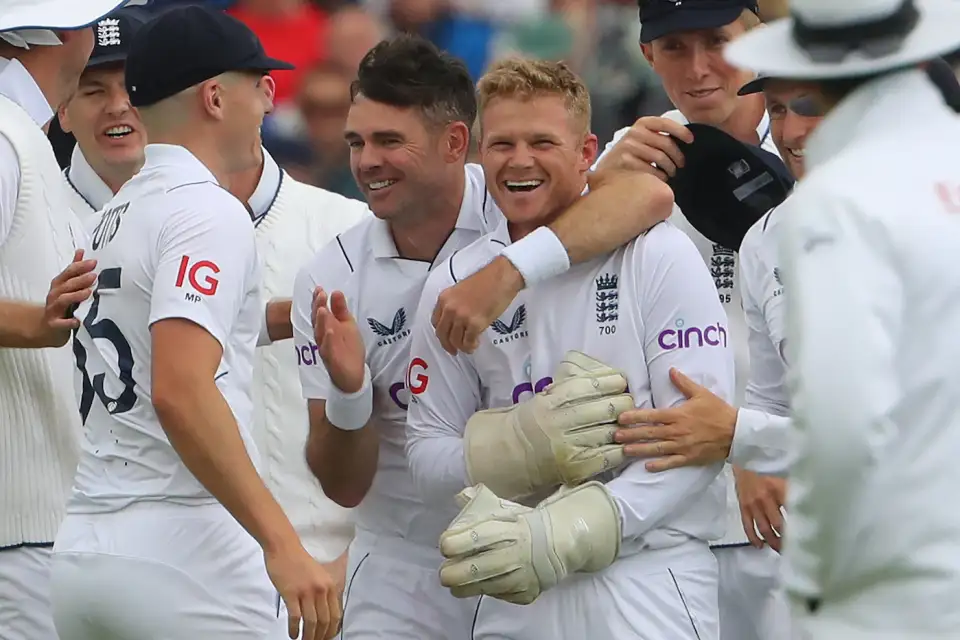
<point>416,383</point>
<point>526,387</point>
<point>392,333</point>
<point>511,331</point>
<point>690,337</point>
<point>307,354</point>
<point>192,274</point>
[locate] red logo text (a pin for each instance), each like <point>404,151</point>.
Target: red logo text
<point>417,384</point>
<point>197,275</point>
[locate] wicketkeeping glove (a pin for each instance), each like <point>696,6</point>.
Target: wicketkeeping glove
<point>514,553</point>
<point>562,435</point>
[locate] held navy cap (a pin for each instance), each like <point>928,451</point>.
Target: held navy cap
<point>659,18</point>
<point>189,45</point>
<point>725,186</point>
<point>114,34</point>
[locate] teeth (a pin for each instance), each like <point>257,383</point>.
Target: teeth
<point>797,153</point>
<point>382,184</point>
<point>119,131</point>
<point>523,184</point>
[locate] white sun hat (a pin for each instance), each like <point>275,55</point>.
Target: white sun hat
<point>826,39</point>
<point>18,15</point>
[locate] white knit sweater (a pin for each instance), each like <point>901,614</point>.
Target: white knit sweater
<point>301,220</point>
<point>39,421</point>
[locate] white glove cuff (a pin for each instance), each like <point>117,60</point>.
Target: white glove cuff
<point>538,256</point>
<point>351,411</point>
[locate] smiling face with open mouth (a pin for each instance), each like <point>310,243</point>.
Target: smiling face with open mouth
<point>535,157</point>
<point>789,129</point>
<point>100,117</point>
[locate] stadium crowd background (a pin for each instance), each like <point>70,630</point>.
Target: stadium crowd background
<point>327,38</point>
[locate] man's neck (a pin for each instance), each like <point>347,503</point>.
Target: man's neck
<point>244,183</point>
<point>743,122</point>
<point>116,177</point>
<point>422,237</point>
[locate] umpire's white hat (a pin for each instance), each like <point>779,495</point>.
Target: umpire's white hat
<point>16,15</point>
<point>826,39</point>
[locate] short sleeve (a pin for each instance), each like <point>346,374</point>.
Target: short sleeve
<point>331,270</point>
<point>207,260</point>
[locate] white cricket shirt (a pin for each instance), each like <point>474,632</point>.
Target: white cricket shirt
<point>722,263</point>
<point>643,309</point>
<point>447,390</point>
<point>383,291</point>
<point>868,252</point>
<point>171,244</point>
<point>762,440</point>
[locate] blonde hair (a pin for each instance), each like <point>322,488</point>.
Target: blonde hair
<point>523,79</point>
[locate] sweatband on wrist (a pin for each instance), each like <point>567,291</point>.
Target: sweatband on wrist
<point>351,411</point>
<point>538,256</point>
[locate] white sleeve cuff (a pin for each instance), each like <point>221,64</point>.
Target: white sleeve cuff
<point>264,338</point>
<point>351,411</point>
<point>538,256</point>
<point>762,443</point>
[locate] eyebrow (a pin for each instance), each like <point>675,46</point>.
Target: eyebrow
<point>377,135</point>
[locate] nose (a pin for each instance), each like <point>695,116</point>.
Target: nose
<point>367,157</point>
<point>119,102</point>
<point>521,157</point>
<point>699,61</point>
<point>794,129</point>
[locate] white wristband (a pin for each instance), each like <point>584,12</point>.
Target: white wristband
<point>538,256</point>
<point>263,338</point>
<point>351,411</point>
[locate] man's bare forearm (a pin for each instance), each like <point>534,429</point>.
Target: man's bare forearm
<point>344,462</point>
<point>620,208</point>
<point>21,326</point>
<point>279,325</point>
<point>204,433</point>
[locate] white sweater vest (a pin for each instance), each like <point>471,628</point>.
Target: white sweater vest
<point>301,221</point>
<point>39,420</point>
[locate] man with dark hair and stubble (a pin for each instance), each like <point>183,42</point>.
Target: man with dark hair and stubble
<point>409,133</point>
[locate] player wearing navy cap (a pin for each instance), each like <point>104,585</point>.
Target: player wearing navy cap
<point>170,530</point>
<point>683,41</point>
<point>110,137</point>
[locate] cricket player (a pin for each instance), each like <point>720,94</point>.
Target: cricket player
<point>44,45</point>
<point>292,220</point>
<point>871,551</point>
<point>409,133</point>
<point>170,531</point>
<point>110,136</point>
<point>629,558</point>
<point>683,42</point>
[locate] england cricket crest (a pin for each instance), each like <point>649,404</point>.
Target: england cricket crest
<point>723,267</point>
<point>607,302</point>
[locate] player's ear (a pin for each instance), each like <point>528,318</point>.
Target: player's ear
<point>63,116</point>
<point>456,142</point>
<point>591,146</point>
<point>647,51</point>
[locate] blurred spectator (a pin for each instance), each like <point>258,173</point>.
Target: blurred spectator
<point>324,102</point>
<point>353,32</point>
<point>291,30</point>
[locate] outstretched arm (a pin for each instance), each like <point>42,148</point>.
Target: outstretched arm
<point>620,206</point>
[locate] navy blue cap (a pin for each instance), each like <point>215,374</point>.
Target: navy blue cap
<point>189,45</point>
<point>114,34</point>
<point>659,18</point>
<point>725,186</point>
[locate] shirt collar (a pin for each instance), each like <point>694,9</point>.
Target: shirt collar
<point>177,157</point>
<point>266,191</point>
<point>18,85</point>
<point>87,182</point>
<point>473,207</point>
<point>893,101</point>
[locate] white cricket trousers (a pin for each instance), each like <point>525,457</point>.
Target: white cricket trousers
<point>753,606</point>
<point>666,594</point>
<point>25,594</point>
<point>393,592</point>
<point>161,571</point>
